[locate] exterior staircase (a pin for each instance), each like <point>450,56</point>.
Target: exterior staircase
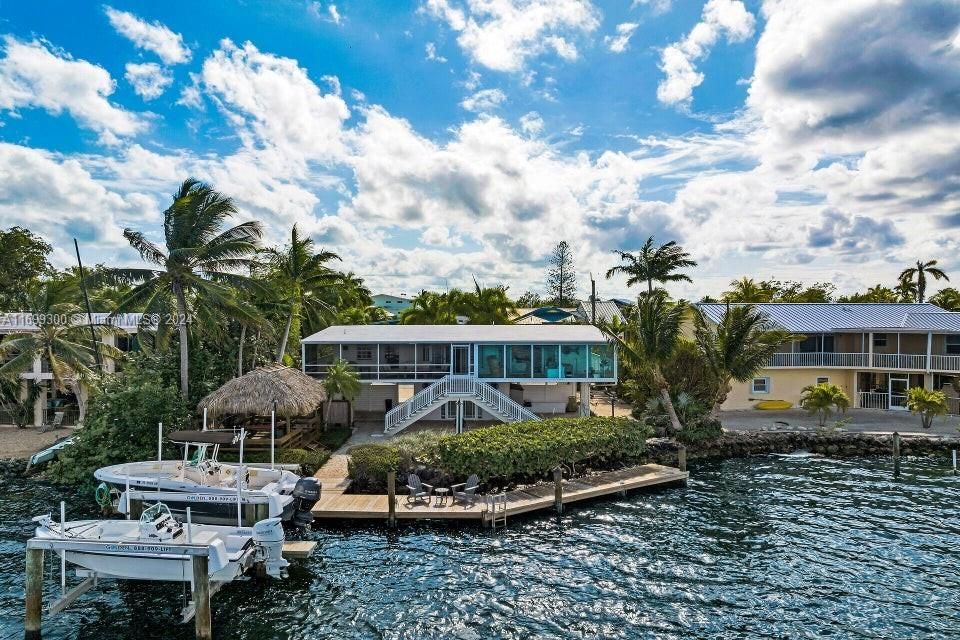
<point>482,394</point>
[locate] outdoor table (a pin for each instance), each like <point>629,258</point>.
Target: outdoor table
<point>441,494</point>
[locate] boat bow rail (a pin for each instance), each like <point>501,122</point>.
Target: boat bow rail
<point>485,395</point>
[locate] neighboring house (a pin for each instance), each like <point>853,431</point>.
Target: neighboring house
<point>393,305</point>
<point>874,351</point>
<point>545,315</point>
<point>52,400</point>
<point>601,311</point>
<point>466,372</point>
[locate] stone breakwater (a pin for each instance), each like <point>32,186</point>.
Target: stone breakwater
<point>839,445</point>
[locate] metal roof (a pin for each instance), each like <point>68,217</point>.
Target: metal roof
<point>464,333</point>
<point>545,315</point>
<point>843,316</point>
<point>607,310</point>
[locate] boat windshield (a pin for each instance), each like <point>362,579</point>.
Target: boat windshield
<point>151,514</point>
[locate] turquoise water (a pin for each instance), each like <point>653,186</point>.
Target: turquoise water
<point>764,547</point>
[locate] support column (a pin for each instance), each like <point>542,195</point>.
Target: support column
<point>929,350</point>
<point>201,597</point>
<point>584,398</point>
<point>870,349</point>
<point>34,595</point>
<point>39,405</point>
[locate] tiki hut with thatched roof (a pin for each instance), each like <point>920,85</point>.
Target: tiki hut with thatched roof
<point>292,392</point>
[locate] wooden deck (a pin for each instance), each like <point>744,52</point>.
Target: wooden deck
<point>335,505</point>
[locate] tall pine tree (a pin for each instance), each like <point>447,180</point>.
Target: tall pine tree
<point>562,276</point>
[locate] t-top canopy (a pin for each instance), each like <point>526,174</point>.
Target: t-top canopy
<point>205,437</point>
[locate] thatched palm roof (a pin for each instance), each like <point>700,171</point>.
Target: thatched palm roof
<point>294,392</point>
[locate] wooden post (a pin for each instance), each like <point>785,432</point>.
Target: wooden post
<point>34,594</point>
<point>954,462</point>
<point>201,597</point>
<point>896,454</point>
<point>682,457</point>
<point>558,489</point>
<point>392,497</point>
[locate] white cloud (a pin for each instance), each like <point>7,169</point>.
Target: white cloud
<point>33,75</point>
<point>505,34</point>
<point>484,100</point>
<point>656,6</point>
<point>154,37</point>
<point>620,42</point>
<point>431,50</point>
<point>331,14</point>
<point>334,14</point>
<point>149,79</point>
<point>531,123</point>
<point>274,106</point>
<point>728,18</point>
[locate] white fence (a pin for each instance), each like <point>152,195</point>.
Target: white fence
<point>904,361</point>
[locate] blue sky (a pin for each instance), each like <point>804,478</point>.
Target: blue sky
<point>433,141</point>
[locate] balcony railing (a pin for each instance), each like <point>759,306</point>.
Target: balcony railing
<point>370,372</point>
<point>904,361</point>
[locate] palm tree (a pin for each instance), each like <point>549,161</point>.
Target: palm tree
<point>653,264</point>
<point>490,305</point>
<point>947,298</point>
<point>737,347</point>
<point>429,307</point>
<point>905,291</point>
<point>299,274</point>
<point>647,338</point>
<point>62,340</point>
<point>341,380</point>
<point>821,399</point>
<point>196,272</point>
<point>747,290</point>
<point>919,273</point>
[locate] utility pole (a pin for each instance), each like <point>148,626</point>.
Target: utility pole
<point>86,299</point>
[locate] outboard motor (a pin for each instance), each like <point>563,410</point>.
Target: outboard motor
<point>305,494</point>
<point>268,538</point>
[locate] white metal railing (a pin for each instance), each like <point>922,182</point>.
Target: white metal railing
<point>871,400</point>
<point>905,361</point>
<point>428,398</point>
<point>899,361</point>
<point>819,359</point>
<point>945,363</point>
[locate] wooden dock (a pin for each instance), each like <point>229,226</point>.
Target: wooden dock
<point>336,505</point>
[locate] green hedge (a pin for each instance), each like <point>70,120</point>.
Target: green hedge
<point>369,464</point>
<point>532,448</point>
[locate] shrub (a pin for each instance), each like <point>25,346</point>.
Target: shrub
<point>418,448</point>
<point>700,429</point>
<point>369,465</point>
<point>534,448</point>
<point>929,404</point>
<point>309,461</point>
<point>822,399</point>
<point>121,423</point>
<point>333,438</point>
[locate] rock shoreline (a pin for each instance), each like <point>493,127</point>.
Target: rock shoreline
<point>838,445</point>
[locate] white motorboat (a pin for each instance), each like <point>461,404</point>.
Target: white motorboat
<point>159,547</point>
<point>212,488</point>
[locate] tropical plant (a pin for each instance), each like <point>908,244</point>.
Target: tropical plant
<point>488,305</point>
<point>64,340</point>
<point>196,272</point>
<point>23,261</point>
<point>369,465</point>
<point>927,403</point>
<point>918,274</point>
<point>530,299</point>
<point>429,307</point>
<point>297,275</point>
<point>876,293</point>
<point>341,380</point>
<point>562,276</point>
<point>947,298</point>
<point>822,399</point>
<point>737,347</point>
<point>17,399</point>
<point>647,340</point>
<point>653,264</point>
<point>748,290</point>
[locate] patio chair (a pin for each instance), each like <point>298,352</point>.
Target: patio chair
<point>419,490</point>
<point>466,492</point>
<point>55,424</point>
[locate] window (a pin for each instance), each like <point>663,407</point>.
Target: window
<point>364,352</point>
<point>761,385</point>
<point>546,362</point>
<point>879,340</point>
<point>601,361</point>
<point>518,357</point>
<point>953,345</point>
<point>490,358</point>
<point>823,380</point>
<point>573,360</point>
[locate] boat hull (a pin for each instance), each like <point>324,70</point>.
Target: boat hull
<point>173,567</point>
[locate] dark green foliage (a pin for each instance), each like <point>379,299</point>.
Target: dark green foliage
<point>23,260</point>
<point>685,372</point>
<point>121,424</point>
<point>334,437</point>
<point>701,429</point>
<point>309,461</point>
<point>369,465</point>
<point>534,448</point>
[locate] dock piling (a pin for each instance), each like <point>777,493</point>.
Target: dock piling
<point>896,454</point>
<point>954,452</point>
<point>34,594</point>
<point>201,597</point>
<point>682,457</point>
<point>558,489</point>
<point>392,497</point>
